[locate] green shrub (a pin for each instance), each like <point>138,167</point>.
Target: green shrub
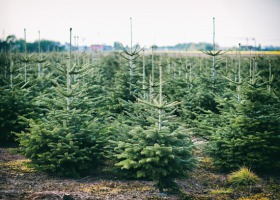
<point>60,149</point>
<point>249,132</point>
<point>158,155</point>
<point>15,104</point>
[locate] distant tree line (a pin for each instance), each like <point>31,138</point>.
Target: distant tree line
<point>202,46</point>
<point>17,45</point>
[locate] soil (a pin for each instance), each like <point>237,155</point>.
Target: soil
<point>18,181</point>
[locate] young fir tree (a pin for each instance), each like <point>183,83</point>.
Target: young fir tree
<point>198,88</point>
<point>66,141</point>
<point>198,109</point>
<point>126,86</point>
<point>160,151</point>
<point>131,54</point>
<point>14,103</point>
<point>10,96</point>
<point>249,131</point>
<point>17,100</point>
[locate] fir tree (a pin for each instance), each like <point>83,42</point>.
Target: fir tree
<point>68,139</point>
<point>249,131</point>
<point>160,151</point>
<point>17,101</point>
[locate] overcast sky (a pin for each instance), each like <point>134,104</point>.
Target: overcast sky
<point>160,22</point>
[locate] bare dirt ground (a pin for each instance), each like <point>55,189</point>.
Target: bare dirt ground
<point>18,181</point>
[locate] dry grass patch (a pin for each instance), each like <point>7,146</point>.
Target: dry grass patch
<point>18,166</point>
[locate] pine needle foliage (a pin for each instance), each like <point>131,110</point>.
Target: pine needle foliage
<point>158,151</point>
<point>13,104</point>
<point>249,132</point>
<point>65,142</point>
<point>160,155</point>
<point>68,139</point>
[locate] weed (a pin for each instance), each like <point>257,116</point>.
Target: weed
<point>222,191</point>
<point>255,197</point>
<point>20,166</point>
<point>243,177</point>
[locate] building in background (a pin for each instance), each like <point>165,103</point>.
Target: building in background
<point>101,47</point>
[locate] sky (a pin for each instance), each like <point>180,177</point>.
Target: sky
<point>159,22</point>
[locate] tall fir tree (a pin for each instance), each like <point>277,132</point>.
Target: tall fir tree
<point>159,151</point>
<point>67,140</point>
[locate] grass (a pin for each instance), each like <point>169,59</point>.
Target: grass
<point>243,177</point>
<point>18,166</point>
<point>255,197</point>
<point>222,191</point>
